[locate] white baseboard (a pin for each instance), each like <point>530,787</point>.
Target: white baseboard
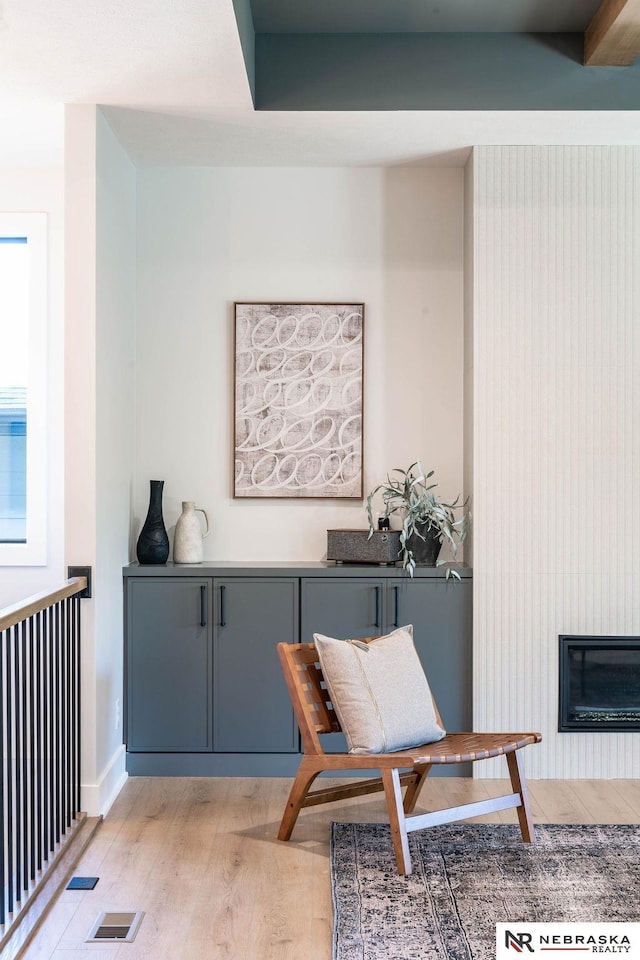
<point>97,798</point>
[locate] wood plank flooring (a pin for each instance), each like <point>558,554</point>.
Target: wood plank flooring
<point>200,857</point>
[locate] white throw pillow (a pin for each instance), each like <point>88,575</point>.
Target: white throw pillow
<point>379,692</point>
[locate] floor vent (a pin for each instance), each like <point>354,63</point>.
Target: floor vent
<point>115,926</point>
<point>82,883</point>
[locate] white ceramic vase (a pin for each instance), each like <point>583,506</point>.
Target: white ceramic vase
<point>187,542</point>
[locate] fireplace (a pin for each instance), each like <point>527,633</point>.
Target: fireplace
<point>599,683</point>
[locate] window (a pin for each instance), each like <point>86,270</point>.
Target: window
<point>23,367</point>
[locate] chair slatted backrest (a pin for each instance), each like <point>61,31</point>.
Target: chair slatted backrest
<point>309,695</point>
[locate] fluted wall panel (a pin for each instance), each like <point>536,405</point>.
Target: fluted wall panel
<point>556,433</point>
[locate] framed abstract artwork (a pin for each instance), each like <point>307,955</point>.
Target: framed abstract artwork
<point>298,400</point>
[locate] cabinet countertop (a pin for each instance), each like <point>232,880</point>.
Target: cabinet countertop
<point>290,568</point>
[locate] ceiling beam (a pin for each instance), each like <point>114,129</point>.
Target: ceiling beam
<point>612,39</point>
<point>436,71</point>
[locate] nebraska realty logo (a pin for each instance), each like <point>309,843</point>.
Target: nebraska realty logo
<point>567,939</point>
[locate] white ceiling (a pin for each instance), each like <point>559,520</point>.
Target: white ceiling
<point>171,78</point>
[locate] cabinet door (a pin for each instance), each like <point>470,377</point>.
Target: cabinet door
<point>440,611</point>
<point>168,662</point>
<point>252,708</point>
<point>342,608</point>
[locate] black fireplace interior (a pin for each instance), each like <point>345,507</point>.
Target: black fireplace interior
<point>599,683</point>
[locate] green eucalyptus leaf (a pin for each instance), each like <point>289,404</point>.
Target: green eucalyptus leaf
<point>406,492</point>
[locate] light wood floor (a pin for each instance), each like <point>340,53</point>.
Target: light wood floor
<point>200,857</point>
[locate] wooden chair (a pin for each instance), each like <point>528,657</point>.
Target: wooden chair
<point>315,715</point>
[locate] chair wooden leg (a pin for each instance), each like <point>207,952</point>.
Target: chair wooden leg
<point>393,793</point>
<point>413,790</point>
<point>305,776</point>
<point>519,785</point>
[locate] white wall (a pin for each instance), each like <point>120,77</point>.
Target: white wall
<point>80,396</point>
<point>115,400</point>
<point>100,317</point>
<point>42,190</point>
<point>557,428</point>
<point>207,237</point>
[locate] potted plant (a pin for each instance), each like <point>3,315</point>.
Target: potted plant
<point>427,521</point>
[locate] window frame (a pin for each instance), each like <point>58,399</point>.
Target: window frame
<point>33,226</point>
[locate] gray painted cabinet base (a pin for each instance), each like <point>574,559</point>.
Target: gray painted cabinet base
<point>204,692</point>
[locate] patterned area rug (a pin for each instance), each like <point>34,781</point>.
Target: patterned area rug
<point>468,877</point>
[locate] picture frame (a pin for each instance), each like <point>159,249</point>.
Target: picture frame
<point>298,400</point>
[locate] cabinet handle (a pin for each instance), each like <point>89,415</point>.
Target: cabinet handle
<point>203,606</point>
<point>397,606</point>
<point>377,623</point>
<point>223,622</point>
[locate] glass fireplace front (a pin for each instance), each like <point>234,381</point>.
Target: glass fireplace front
<point>599,683</point>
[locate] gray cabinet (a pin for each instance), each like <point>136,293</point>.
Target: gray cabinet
<point>201,664</point>
<point>252,709</point>
<point>168,665</point>
<point>345,607</point>
<point>204,691</point>
<point>440,611</point>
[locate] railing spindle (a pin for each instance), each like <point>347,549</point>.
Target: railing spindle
<point>25,757</point>
<point>38,644</point>
<point>9,727</point>
<point>62,763</point>
<point>72,764</point>
<point>3,754</point>
<point>18,744</point>
<point>77,661</point>
<point>52,736</point>
<point>67,684</point>
<point>46,725</point>
<point>57,718</point>
<point>33,822</point>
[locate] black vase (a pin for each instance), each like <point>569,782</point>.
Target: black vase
<point>425,552</point>
<point>153,542</point>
